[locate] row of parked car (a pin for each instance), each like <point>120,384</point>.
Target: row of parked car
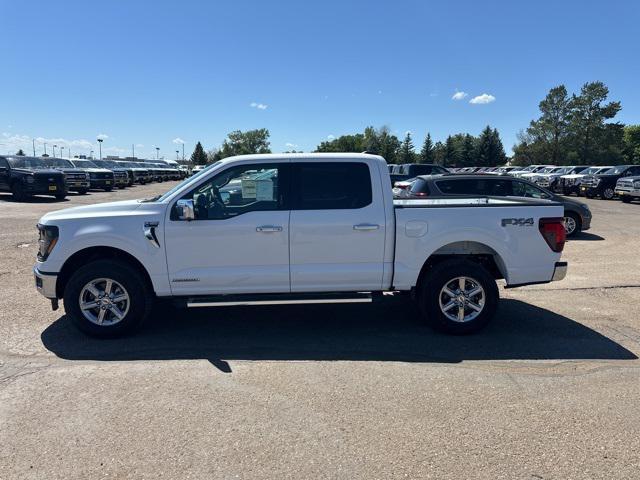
<point>26,176</point>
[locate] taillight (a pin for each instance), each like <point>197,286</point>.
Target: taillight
<point>552,230</point>
<point>420,194</point>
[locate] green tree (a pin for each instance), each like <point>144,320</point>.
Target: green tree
<point>198,157</point>
<point>407,152</point>
<point>20,153</point>
<point>245,143</point>
<point>467,151</point>
<point>593,137</point>
<point>427,151</point>
<point>552,128</point>
<point>344,143</point>
<point>490,151</point>
<point>438,153</point>
<point>382,142</point>
<point>631,139</point>
<point>450,155</point>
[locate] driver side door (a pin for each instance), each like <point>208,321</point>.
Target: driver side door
<point>238,241</point>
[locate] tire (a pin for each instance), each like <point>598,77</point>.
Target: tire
<point>625,199</point>
<point>607,193</point>
<point>126,282</point>
<point>18,193</point>
<point>82,191</point>
<point>432,299</point>
<point>108,189</point>
<point>572,224</point>
<point>61,197</point>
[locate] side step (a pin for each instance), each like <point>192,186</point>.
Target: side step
<point>279,299</point>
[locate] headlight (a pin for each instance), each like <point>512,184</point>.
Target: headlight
<point>46,242</point>
<point>636,184</point>
<point>87,176</point>
<point>29,179</point>
<point>597,181</point>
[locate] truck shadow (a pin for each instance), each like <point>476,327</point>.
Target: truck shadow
<point>388,331</point>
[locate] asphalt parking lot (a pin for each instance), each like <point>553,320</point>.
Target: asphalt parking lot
<point>551,390</point>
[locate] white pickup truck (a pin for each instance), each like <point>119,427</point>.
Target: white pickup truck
<point>301,228</point>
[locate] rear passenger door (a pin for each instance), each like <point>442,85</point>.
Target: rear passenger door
<point>4,174</point>
<point>337,227</point>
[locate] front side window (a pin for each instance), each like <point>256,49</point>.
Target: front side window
<point>331,186</point>
<point>238,190</point>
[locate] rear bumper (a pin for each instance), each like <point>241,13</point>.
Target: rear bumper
<point>45,283</point>
<point>560,271</point>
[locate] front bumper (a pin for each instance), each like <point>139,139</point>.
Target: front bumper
<point>102,182</point>
<point>73,184</point>
<point>634,193</point>
<point>559,272</point>
<point>586,222</point>
<point>45,283</point>
<point>588,190</point>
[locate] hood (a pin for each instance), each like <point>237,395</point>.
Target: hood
<point>96,170</point>
<point>574,175</point>
<point>69,170</point>
<point>571,201</point>
<point>40,171</point>
<point>110,209</point>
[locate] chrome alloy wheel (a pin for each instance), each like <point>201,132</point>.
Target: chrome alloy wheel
<point>608,193</point>
<point>462,299</point>
<point>569,225</point>
<point>104,301</point>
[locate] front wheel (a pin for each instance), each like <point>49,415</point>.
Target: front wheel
<point>625,199</point>
<point>82,191</point>
<point>107,298</point>
<point>607,193</point>
<point>18,193</point>
<point>108,189</point>
<point>61,196</point>
<point>458,297</point>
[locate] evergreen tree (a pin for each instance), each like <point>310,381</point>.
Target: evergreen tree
<point>450,156</point>
<point>406,150</point>
<point>427,153</point>
<point>467,151</point>
<point>20,153</point>
<point>198,157</point>
<point>490,152</point>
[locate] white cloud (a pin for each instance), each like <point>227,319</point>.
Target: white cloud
<point>482,99</point>
<point>459,95</point>
<point>178,141</point>
<point>290,145</point>
<point>139,145</point>
<point>14,142</point>
<point>259,106</point>
<point>102,136</point>
<point>331,137</point>
<point>433,94</point>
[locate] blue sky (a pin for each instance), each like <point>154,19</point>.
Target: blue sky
<point>149,73</point>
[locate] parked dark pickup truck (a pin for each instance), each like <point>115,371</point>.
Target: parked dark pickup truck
<point>76,179</point>
<point>26,176</point>
<point>604,184</point>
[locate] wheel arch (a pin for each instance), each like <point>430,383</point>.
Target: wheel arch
<point>86,255</point>
<point>477,252</point>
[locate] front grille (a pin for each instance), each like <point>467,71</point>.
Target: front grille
<point>625,184</point>
<point>588,182</point>
<point>103,176</point>
<point>75,177</point>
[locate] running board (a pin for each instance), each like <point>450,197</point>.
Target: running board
<point>278,299</point>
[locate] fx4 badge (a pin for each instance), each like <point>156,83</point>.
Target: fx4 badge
<point>518,222</point>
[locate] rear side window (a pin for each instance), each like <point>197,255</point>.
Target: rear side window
<point>331,186</point>
<point>420,187</point>
<point>462,187</point>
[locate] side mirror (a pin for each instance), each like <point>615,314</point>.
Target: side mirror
<point>185,210</point>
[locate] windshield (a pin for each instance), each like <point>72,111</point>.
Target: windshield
<point>84,164</point>
<point>59,163</point>
<point>106,164</point>
<point>26,162</point>
<point>615,170</point>
<point>161,198</point>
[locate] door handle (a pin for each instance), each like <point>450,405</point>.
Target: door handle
<point>269,228</point>
<point>366,226</point>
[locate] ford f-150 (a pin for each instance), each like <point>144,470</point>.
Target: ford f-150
<point>294,228</point>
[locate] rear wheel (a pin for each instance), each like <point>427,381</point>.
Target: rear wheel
<point>61,196</point>
<point>572,224</point>
<point>107,298</point>
<point>458,297</point>
<point>108,189</point>
<point>81,191</point>
<point>625,199</point>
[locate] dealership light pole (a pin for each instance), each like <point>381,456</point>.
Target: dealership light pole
<point>183,151</point>
<point>33,140</point>
<point>157,153</point>
<point>45,148</point>
<point>61,151</point>
<point>100,140</point>
<point>54,151</point>
<point>177,152</point>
